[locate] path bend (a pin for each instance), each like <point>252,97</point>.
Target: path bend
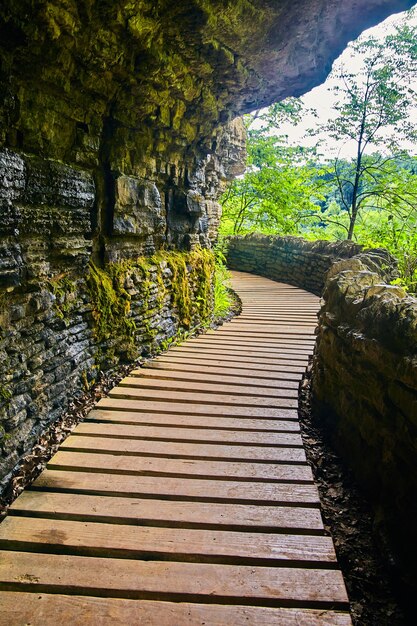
<point>185,497</point>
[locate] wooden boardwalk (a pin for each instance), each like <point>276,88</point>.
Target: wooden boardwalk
<point>185,497</point>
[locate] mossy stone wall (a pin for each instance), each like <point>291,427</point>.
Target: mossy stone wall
<point>55,339</point>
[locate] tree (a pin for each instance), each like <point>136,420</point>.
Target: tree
<point>372,111</point>
<point>274,194</point>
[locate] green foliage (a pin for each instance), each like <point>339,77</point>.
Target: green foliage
<point>277,188</point>
<point>222,286</point>
<point>5,393</point>
<point>192,280</point>
<point>111,302</point>
<point>191,293</point>
<point>64,290</point>
<point>372,112</point>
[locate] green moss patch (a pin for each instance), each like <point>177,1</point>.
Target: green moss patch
<point>190,289</point>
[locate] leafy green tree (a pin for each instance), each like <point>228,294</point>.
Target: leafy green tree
<point>373,112</point>
<point>274,194</point>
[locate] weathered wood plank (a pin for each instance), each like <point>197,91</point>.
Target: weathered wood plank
<point>216,387</point>
<point>262,334</point>
<point>168,580</point>
<point>193,421</point>
<point>179,544</point>
<point>275,328</point>
<point>174,449</point>
<point>186,396</point>
<point>48,610</point>
<point>250,347</point>
<point>170,433</point>
<point>234,341</point>
<point>203,409</point>
<point>123,390</point>
<point>205,375</point>
<point>114,463</point>
<point>258,356</point>
<point>233,360</point>
<point>118,510</point>
<point>175,488</point>
<point>240,368</point>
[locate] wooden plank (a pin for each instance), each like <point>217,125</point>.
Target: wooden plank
<point>288,315</point>
<point>49,610</point>
<point>167,512</point>
<point>194,397</point>
<point>177,488</point>
<point>270,352</point>
<point>121,464</point>
<point>262,334</point>
<point>193,421</point>
<point>206,339</point>
<point>228,330</point>
<point>272,364</point>
<point>242,342</point>
<point>170,433</point>
<point>217,387</point>
<point>264,353</point>
<point>122,404</point>
<point>150,542</point>
<point>214,378</point>
<point>168,580</point>
<point>174,449</point>
<point>266,375</point>
<point>238,368</point>
<point>292,330</point>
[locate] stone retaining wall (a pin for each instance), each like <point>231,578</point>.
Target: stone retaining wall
<point>364,368</point>
<point>288,259</point>
<point>365,391</point>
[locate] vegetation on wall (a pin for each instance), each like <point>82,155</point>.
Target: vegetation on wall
<point>370,197</point>
<point>110,301</point>
<point>187,278</point>
<point>223,301</point>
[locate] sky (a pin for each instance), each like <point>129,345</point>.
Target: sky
<point>321,99</point>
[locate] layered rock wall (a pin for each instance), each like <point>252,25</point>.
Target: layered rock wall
<point>55,339</point>
<point>365,390</point>
<point>364,368</point>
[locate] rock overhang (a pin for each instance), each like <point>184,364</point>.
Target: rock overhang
<point>160,76</point>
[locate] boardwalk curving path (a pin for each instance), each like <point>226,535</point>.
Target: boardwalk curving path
<point>185,497</point>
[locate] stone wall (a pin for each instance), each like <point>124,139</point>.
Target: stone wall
<point>364,368</point>
<point>291,260</point>
<point>56,337</point>
<point>365,392</point>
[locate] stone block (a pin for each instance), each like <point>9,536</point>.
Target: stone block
<point>138,207</point>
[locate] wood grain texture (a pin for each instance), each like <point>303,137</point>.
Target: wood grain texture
<point>172,513</point>
<point>50,610</point>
